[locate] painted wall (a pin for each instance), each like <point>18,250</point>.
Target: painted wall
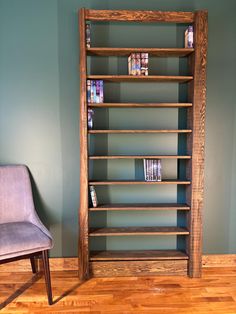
<point>39,110</point>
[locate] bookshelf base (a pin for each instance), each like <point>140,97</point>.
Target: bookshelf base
<point>138,268</point>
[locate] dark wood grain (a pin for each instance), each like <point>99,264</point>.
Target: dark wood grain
<point>140,157</point>
<point>83,210</point>
<point>140,105</point>
<point>128,231</point>
<point>142,78</point>
<point>137,255</point>
<point>157,52</point>
<point>139,268</point>
<point>196,143</point>
<point>136,182</point>
<point>140,16</point>
<point>137,131</point>
<point>141,206</point>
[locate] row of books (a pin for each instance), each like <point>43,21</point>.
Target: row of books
<point>188,43</point>
<point>95,91</point>
<point>138,63</point>
<point>152,169</point>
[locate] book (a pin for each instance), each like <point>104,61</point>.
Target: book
<point>133,64</point>
<point>101,91</point>
<point>188,37</point>
<point>88,35</point>
<point>89,91</point>
<point>137,64</point>
<point>93,196</point>
<point>144,63</point>
<point>90,118</point>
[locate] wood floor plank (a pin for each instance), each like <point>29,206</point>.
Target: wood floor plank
<point>214,293</point>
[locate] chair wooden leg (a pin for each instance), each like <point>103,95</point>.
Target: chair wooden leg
<point>33,265</point>
<point>47,276</point>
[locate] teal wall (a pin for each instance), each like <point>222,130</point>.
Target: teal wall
<point>39,111</point>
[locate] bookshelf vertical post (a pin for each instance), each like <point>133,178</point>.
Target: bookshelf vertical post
<point>196,143</point>
<point>83,212</point>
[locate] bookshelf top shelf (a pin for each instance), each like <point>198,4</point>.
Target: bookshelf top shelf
<point>139,16</point>
<point>158,52</point>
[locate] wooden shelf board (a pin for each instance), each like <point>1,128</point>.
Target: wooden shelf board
<point>137,255</point>
<point>137,131</point>
<point>141,78</point>
<point>134,231</point>
<point>139,16</point>
<point>159,52</point>
<point>140,105</point>
<point>140,206</point>
<point>140,157</point>
<point>136,182</point>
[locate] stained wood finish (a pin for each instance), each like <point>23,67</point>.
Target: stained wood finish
<point>213,293</point>
<point>137,255</point>
<point>157,52</point>
<point>160,206</point>
<point>139,16</point>
<point>71,264</point>
<point>83,211</point>
<point>140,105</point>
<point>140,268</point>
<point>136,131</point>
<point>137,78</point>
<point>140,157</point>
<point>196,143</point>
<point>195,130</point>
<point>128,182</point>
<point>128,231</point>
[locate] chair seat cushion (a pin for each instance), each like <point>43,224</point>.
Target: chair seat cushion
<point>20,238</point>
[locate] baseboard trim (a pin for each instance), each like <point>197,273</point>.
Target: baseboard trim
<point>71,263</point>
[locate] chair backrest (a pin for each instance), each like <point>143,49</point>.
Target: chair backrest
<point>16,200</point>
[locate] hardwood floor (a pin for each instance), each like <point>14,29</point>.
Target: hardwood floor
<point>214,293</point>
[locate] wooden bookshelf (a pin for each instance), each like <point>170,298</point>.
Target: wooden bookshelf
<point>146,262</point>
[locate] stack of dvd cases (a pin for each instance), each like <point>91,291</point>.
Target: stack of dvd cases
<point>95,91</point>
<point>152,169</point>
<point>138,64</point>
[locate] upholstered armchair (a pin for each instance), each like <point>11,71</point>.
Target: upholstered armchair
<point>22,234</point>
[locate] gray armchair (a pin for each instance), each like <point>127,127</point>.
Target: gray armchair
<point>22,234</point>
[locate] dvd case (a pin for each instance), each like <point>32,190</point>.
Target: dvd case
<point>93,196</point>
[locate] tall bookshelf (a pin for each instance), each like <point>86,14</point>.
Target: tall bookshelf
<point>185,260</point>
